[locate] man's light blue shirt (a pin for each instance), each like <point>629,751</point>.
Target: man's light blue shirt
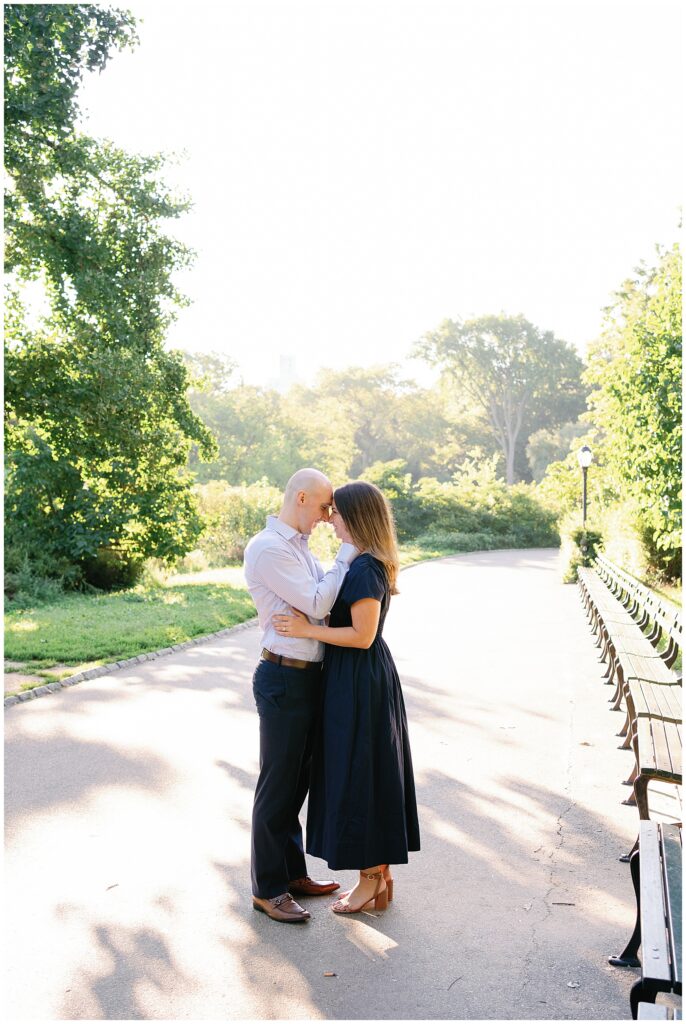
<point>281,571</point>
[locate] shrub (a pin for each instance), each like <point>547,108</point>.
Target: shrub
<point>447,541</point>
<point>474,510</point>
<point>113,569</point>
<point>32,578</point>
<point>24,587</point>
<point>395,481</point>
<point>232,515</point>
<point>194,561</point>
<point>478,503</point>
<point>580,549</point>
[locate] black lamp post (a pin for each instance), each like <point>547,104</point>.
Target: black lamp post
<point>585,457</point>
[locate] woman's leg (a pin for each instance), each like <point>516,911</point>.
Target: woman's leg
<point>370,886</point>
<point>388,877</point>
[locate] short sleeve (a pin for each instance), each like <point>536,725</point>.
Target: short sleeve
<point>365,578</point>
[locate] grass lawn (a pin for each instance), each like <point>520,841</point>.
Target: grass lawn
<point>108,627</point>
<point>672,592</point>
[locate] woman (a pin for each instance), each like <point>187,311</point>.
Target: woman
<point>362,807</point>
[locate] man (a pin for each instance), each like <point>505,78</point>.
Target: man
<point>280,572</point>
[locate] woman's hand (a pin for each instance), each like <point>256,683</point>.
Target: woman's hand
<point>295,624</point>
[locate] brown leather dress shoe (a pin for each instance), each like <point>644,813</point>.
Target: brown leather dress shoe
<point>308,887</point>
<point>282,908</point>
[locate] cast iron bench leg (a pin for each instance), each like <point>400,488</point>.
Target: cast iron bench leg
<point>642,992</point>
<point>628,958</point>
<point>626,857</point>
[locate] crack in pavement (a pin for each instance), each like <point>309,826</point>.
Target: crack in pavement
<point>535,945</point>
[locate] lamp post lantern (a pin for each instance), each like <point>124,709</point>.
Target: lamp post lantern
<point>585,457</point>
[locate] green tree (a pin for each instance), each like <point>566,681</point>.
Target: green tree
<point>521,378</point>
<point>359,416</point>
<point>98,426</point>
<point>551,444</point>
<point>351,411</point>
<point>635,370</point>
<point>211,373</point>
<point>255,438</point>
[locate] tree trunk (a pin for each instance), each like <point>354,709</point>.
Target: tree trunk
<point>509,464</point>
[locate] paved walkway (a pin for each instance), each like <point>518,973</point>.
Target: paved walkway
<point>128,807</point>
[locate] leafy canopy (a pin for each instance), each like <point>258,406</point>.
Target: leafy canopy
<point>98,424</point>
<point>522,378</point>
<point>635,369</point>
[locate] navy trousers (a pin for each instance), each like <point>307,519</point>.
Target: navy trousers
<point>287,701</point>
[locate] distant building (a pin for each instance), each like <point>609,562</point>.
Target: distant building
<point>287,374</point>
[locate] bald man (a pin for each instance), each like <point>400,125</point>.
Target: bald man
<point>280,571</point>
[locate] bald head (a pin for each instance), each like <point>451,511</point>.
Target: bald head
<point>305,480</point>
<point>307,500</point>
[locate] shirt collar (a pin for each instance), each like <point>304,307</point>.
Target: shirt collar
<point>286,531</point>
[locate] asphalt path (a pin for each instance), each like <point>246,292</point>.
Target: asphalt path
<point>128,801</point>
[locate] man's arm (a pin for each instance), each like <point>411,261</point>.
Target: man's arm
<point>290,580</point>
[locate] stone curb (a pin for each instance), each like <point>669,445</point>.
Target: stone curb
<point>103,670</point>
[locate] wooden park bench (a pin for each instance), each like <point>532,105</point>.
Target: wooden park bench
<point>640,639</point>
<point>652,1011</point>
<point>632,624</point>
<point>656,871</point>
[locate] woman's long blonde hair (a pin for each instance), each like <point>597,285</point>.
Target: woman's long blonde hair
<point>369,520</point>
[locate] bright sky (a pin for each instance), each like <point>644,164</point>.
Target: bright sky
<point>360,171</point>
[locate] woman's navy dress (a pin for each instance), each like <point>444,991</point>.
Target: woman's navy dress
<point>362,808</point>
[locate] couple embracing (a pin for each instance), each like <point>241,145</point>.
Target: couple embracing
<point>331,711</point>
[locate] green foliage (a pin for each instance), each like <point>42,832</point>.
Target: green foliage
<point>354,418</point>
<point>24,586</point>
<point>48,47</point>
<point>585,545</point>
<point>552,444</point>
<point>634,482</point>
<point>113,569</point>
<point>476,509</point>
<point>343,424</point>
<point>255,437</point>
<point>476,503</point>
<point>98,427</point>
<point>523,379</point>
<point>232,515</point>
<point>395,481</point>
<point>635,369</point>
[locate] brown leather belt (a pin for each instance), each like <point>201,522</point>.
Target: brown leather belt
<point>281,659</point>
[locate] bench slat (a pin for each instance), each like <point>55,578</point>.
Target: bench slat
<point>654,669</point>
<point>659,748</point>
<point>656,1011</point>
<point>663,755</point>
<point>656,700</point>
<point>672,854</point>
<point>655,961</point>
